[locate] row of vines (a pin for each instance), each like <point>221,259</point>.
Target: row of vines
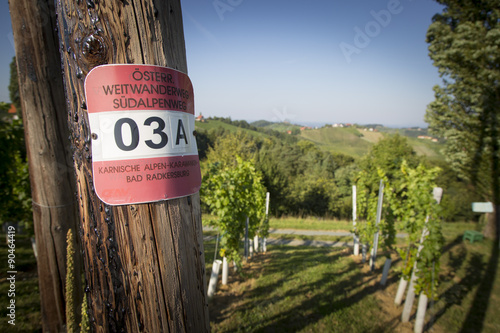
<point>410,205</point>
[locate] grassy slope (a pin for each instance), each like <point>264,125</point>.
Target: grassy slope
<point>357,142</point>
<point>350,141</point>
<point>343,140</point>
<point>426,147</point>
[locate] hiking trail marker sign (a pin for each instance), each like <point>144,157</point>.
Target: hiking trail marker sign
<point>141,120</point>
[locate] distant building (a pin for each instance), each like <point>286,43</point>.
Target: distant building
<point>426,137</point>
<point>200,118</point>
<point>12,110</point>
<point>11,113</point>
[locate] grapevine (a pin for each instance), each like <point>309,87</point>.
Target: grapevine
<point>233,193</point>
<point>419,212</point>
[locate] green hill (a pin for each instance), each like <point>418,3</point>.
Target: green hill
<point>214,124</point>
<point>352,141</point>
<point>348,141</point>
<point>357,141</point>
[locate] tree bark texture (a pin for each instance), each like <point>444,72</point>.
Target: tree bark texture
<point>144,263</point>
<point>51,169</point>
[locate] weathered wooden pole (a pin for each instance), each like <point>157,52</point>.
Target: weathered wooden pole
<point>144,262</point>
<point>50,165</point>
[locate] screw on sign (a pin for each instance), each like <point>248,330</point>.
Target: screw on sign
<point>142,123</point>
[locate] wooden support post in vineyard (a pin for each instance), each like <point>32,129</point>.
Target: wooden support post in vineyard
<point>380,203</point>
<point>144,263</point>
<point>50,165</point>
<point>354,218</point>
<point>264,239</point>
<point>246,242</point>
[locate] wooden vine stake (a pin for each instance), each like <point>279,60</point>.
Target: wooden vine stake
<point>264,239</point>
<point>354,218</point>
<point>380,203</point>
<point>144,263</point>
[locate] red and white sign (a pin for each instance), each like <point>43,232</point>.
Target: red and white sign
<point>142,121</point>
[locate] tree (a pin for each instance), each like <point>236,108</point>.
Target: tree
<point>15,196</point>
<point>227,147</point>
<point>388,155</point>
<point>464,43</point>
<point>384,160</point>
<point>344,179</point>
<point>456,203</point>
<point>14,95</point>
<point>279,163</point>
<point>301,178</point>
<point>314,189</point>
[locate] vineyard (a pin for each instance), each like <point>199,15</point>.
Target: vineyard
<point>309,289</point>
<point>311,173</point>
<point>303,289</point>
<point>389,191</point>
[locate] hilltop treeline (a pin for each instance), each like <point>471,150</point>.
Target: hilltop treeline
<point>305,180</point>
<point>257,128</point>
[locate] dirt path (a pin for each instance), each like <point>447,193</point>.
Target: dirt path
<point>275,239</point>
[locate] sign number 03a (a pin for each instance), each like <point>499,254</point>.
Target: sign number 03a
<point>161,135</point>
<point>134,134</point>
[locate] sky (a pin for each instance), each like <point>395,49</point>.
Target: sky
<point>307,62</point>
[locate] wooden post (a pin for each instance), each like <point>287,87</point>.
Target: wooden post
<point>246,243</point>
<point>144,263</point>
<point>373,257</point>
<point>264,239</point>
<point>50,166</point>
<point>354,218</point>
<point>385,272</point>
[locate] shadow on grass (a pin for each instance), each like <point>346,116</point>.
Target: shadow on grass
<point>476,316</point>
<point>293,294</point>
<point>296,294</point>
<point>466,271</point>
<point>455,294</point>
